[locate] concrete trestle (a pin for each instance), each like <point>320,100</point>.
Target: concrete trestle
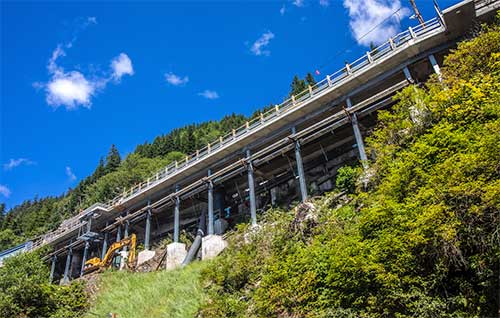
<point>285,155</point>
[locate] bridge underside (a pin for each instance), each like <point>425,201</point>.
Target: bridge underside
<point>294,160</point>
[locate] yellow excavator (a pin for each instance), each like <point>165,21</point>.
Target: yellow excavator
<point>97,263</point>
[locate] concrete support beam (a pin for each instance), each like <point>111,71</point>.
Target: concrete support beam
<point>408,76</point>
<point>176,217</point>
<point>52,268</point>
<point>105,244</point>
<point>84,257</point>
<point>435,66</point>
<point>300,169</point>
<point>210,226</point>
<point>357,134</point>
<point>251,189</point>
<point>119,233</point>
<point>67,265</point>
<point>147,231</point>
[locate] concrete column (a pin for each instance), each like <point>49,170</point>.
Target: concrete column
<point>251,190</point>
<point>119,233</point>
<point>105,244</point>
<point>84,258</point>
<point>177,216</point>
<point>435,66</point>
<point>67,265</point>
<point>210,227</point>
<point>358,136</point>
<point>125,235</point>
<point>147,233</point>
<point>89,224</point>
<point>407,73</point>
<point>300,170</point>
<point>52,268</point>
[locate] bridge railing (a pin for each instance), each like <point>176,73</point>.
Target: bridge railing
<point>382,51</point>
<point>356,66</point>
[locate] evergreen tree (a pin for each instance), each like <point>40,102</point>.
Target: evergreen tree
<point>2,213</point>
<point>310,79</point>
<point>113,159</point>
<point>298,85</point>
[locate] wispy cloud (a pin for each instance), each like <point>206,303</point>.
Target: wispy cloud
<point>5,191</point>
<point>365,15</point>
<point>258,48</point>
<point>121,65</point>
<point>298,3</point>
<point>208,94</point>
<point>72,89</point>
<point>282,10</point>
<point>70,174</point>
<point>13,163</point>
<point>324,3</point>
<point>176,80</point>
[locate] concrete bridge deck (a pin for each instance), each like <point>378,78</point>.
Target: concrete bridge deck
<point>302,125</point>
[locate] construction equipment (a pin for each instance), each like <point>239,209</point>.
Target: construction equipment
<point>96,263</point>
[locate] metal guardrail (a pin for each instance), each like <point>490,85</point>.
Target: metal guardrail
<point>327,84</point>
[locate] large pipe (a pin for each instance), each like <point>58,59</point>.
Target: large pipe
<point>197,241</point>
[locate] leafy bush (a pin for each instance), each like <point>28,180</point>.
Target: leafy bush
<point>346,178</point>
<point>25,291</point>
<point>423,242</point>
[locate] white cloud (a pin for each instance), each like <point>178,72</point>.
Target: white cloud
<point>73,89</point>
<point>283,10</point>
<point>13,163</point>
<point>324,3</point>
<point>121,65</point>
<point>367,14</point>
<point>70,89</point>
<point>208,94</point>
<point>5,191</point>
<point>176,80</point>
<point>259,45</point>
<point>70,174</point>
<point>298,3</point>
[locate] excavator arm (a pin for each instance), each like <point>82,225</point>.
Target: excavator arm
<point>96,263</point>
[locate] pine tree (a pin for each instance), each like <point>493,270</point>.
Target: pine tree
<point>310,79</point>
<point>113,159</point>
<point>298,85</point>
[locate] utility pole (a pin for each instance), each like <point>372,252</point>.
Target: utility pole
<point>417,12</point>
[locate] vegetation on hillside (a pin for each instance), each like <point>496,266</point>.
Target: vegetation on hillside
<point>25,291</point>
<point>422,241</point>
<point>172,294</point>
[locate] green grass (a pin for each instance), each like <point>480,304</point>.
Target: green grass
<point>172,294</point>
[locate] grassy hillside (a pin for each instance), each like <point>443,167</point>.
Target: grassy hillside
<point>169,294</point>
<point>423,240</point>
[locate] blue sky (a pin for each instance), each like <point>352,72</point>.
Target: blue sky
<point>78,77</point>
